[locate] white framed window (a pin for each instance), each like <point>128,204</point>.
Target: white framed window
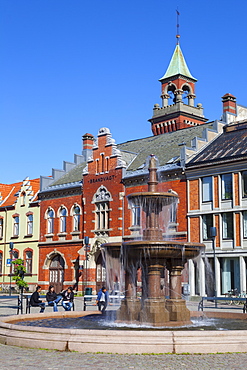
<point>207,194</point>
<point>1,262</point>
<point>50,221</point>
<point>245,224</point>
<point>207,223</point>
<point>1,227</point>
<point>76,218</point>
<point>227,226</point>
<point>226,181</point>
<point>63,216</point>
<point>136,215</point>
<point>16,225</point>
<point>28,261</point>
<point>244,184</point>
<point>30,224</point>
<point>102,216</point>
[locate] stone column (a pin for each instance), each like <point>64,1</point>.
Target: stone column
<point>192,277</point>
<point>165,98</point>
<point>130,306</point>
<point>176,305</point>
<point>154,273</point>
<point>191,99</point>
<point>242,265</point>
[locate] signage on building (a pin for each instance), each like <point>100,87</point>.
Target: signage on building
<point>102,179</point>
<point>8,262</point>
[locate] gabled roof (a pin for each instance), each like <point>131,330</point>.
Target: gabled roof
<point>230,145</point>
<point>177,65</point>
<point>10,192</point>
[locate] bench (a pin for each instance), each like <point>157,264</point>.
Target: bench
<point>90,300</point>
<point>201,305</point>
<point>28,305</point>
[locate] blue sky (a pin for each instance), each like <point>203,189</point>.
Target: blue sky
<point>72,67</point>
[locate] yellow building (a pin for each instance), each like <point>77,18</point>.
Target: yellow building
<point>19,230</point>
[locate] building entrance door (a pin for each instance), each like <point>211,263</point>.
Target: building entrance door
<point>57,273</point>
<point>100,273</point>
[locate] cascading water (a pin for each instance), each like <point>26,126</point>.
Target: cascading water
<point>151,251</point>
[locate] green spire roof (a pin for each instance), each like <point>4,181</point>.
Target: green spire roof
<point>177,65</point>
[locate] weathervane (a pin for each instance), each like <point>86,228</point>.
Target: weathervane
<point>177,35</point>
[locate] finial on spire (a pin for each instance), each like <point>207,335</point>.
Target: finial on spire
<point>178,35</point>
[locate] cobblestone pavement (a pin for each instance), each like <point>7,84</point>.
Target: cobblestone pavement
<point>28,359</point>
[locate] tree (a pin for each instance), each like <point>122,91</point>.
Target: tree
<point>19,271</point>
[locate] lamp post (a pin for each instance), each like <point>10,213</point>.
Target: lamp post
<point>11,246</point>
<point>213,234</point>
<point>86,242</point>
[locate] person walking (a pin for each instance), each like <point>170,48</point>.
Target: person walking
<point>35,300</point>
<point>102,299</point>
<point>68,299</point>
<point>52,298</point>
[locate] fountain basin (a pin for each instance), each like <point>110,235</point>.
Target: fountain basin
<point>161,249</point>
<point>125,341</point>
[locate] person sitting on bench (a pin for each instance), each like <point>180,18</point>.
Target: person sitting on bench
<point>52,298</point>
<point>35,300</point>
<point>68,299</point>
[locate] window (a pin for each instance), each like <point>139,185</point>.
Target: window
<point>23,198</point>
<point>1,262</point>
<point>227,225</point>
<point>227,186</point>
<point>102,216</point>
<point>63,215</point>
<point>14,256</point>
<point>207,223</point>
<point>16,226</point>
<point>244,184</point>
<point>76,218</point>
<point>245,223</point>
<point>50,221</point>
<point>1,227</point>
<point>207,189</point>
<point>28,261</point>
<point>136,215</point>
<point>30,224</point>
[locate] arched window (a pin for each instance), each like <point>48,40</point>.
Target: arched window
<point>23,198</point>
<point>102,210</point>
<point>50,221</point>
<point>1,262</point>
<point>15,255</point>
<point>16,225</point>
<point>76,218</point>
<point>1,228</point>
<point>28,258</point>
<point>30,224</point>
<point>63,215</point>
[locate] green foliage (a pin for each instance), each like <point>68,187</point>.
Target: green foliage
<point>19,271</point>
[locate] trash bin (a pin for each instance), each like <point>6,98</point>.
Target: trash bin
<point>88,291</point>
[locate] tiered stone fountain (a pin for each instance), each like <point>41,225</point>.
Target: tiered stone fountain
<point>151,254</point>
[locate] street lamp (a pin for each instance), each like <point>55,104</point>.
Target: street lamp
<point>213,234</point>
<point>11,247</point>
<point>86,242</point>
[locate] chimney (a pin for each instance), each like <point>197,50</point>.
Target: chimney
<point>87,147</point>
<point>229,108</point>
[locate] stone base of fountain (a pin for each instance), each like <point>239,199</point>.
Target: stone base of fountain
<point>178,311</point>
<point>154,312</point>
<point>129,310</point>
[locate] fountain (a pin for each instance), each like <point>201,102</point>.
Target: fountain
<point>151,254</point>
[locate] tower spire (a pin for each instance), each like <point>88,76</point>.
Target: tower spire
<point>178,33</point>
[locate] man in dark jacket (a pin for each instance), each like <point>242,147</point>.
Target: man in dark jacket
<point>35,300</point>
<point>52,298</point>
<point>68,299</point>
<point>102,299</point>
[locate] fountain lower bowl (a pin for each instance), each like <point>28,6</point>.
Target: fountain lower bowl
<point>124,341</point>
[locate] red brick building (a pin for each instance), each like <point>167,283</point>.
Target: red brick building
<point>99,180</point>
